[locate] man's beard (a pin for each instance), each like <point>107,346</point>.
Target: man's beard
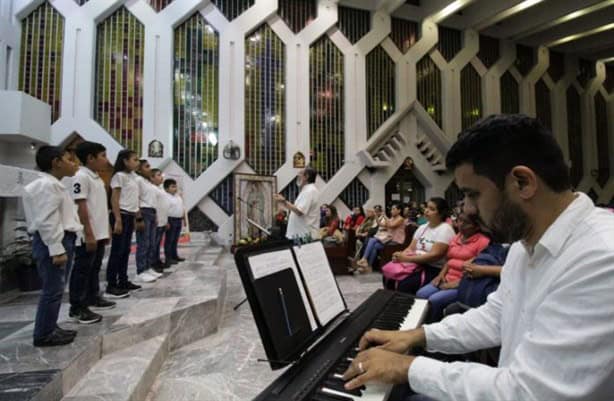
<point>510,223</point>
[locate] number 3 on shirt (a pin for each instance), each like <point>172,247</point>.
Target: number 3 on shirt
<point>77,188</point>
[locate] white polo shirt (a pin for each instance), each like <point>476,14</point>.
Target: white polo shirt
<point>147,193</point>
<point>50,211</point>
<point>88,185</point>
<point>309,222</point>
<point>553,315</point>
<point>175,208</point>
<point>129,195</point>
<point>162,205</point>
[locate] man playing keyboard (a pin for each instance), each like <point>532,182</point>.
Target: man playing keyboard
<point>553,313</point>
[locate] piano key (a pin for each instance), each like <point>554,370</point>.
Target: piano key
<point>416,315</point>
<point>338,386</point>
<point>335,395</point>
<point>373,392</point>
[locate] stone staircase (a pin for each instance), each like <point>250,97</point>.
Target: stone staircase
<point>119,358</point>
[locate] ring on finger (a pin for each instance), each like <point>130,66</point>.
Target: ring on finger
<point>360,368</point>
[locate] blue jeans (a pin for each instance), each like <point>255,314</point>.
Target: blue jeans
<point>155,249</point>
<point>438,300</point>
<point>53,278</point>
<point>172,238</point>
<point>85,276</point>
<point>371,249</point>
<point>117,266</point>
<point>145,240</point>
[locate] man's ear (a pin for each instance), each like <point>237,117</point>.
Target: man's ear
<point>524,181</point>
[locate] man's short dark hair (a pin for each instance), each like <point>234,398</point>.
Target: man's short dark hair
<point>46,155</point>
<point>310,174</point>
<point>168,182</point>
<point>86,149</point>
<point>499,142</point>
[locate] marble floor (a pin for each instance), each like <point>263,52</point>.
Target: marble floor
<point>225,366</point>
<point>190,364</point>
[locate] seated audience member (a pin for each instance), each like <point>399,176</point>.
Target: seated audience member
<point>362,232</point>
<point>391,231</point>
<point>330,233</point>
<point>466,245</point>
<point>354,220</point>
<point>323,215</point>
<point>481,276</point>
<point>427,249</point>
<point>552,314</point>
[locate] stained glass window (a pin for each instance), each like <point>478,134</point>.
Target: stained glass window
<point>326,107</point>
<point>297,13</point>
<point>525,59</point>
<point>222,194</point>
<point>404,33</point>
<point>200,222</point>
<point>450,42</point>
<point>556,69</point>
<point>118,102</point>
<point>265,101</point>
<point>353,23</point>
<point>290,192</point>
<point>40,72</point>
<point>195,95</point>
<point>380,89</point>
<point>159,5</point>
<point>355,194</point>
<point>428,79</point>
<point>489,51</point>
<point>471,96</point>
<point>542,104</point>
<point>510,97</point>
<point>233,8</point>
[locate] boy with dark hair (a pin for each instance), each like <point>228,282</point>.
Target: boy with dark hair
<point>162,206</point>
<point>54,224</point>
<point>146,234</point>
<point>90,195</point>
<point>175,218</point>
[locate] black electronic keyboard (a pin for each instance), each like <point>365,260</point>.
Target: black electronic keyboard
<point>317,375</point>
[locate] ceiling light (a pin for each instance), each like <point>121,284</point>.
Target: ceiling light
<point>580,35</point>
<point>449,10</point>
<point>506,14</point>
<point>565,18</point>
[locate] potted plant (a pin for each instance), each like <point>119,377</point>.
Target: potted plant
<point>17,257</point>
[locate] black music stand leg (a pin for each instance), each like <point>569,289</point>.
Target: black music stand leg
<point>237,306</point>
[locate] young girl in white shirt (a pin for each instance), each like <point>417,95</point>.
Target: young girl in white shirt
<point>124,207</point>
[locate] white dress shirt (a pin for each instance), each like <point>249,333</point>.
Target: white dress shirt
<point>50,211</point>
<point>309,222</point>
<point>88,185</point>
<point>175,208</point>
<point>129,195</point>
<point>162,205</point>
<point>553,315</point>
<point>148,197</point>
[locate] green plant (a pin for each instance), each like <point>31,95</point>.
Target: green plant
<point>19,252</point>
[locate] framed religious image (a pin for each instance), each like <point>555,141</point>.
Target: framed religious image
<point>156,149</point>
<point>254,206</point>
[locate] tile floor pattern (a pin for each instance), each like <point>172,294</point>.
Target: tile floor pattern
<point>224,366</point>
<point>25,370</point>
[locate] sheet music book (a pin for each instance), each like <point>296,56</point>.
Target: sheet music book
<point>270,263</point>
<point>293,296</point>
<point>320,282</point>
